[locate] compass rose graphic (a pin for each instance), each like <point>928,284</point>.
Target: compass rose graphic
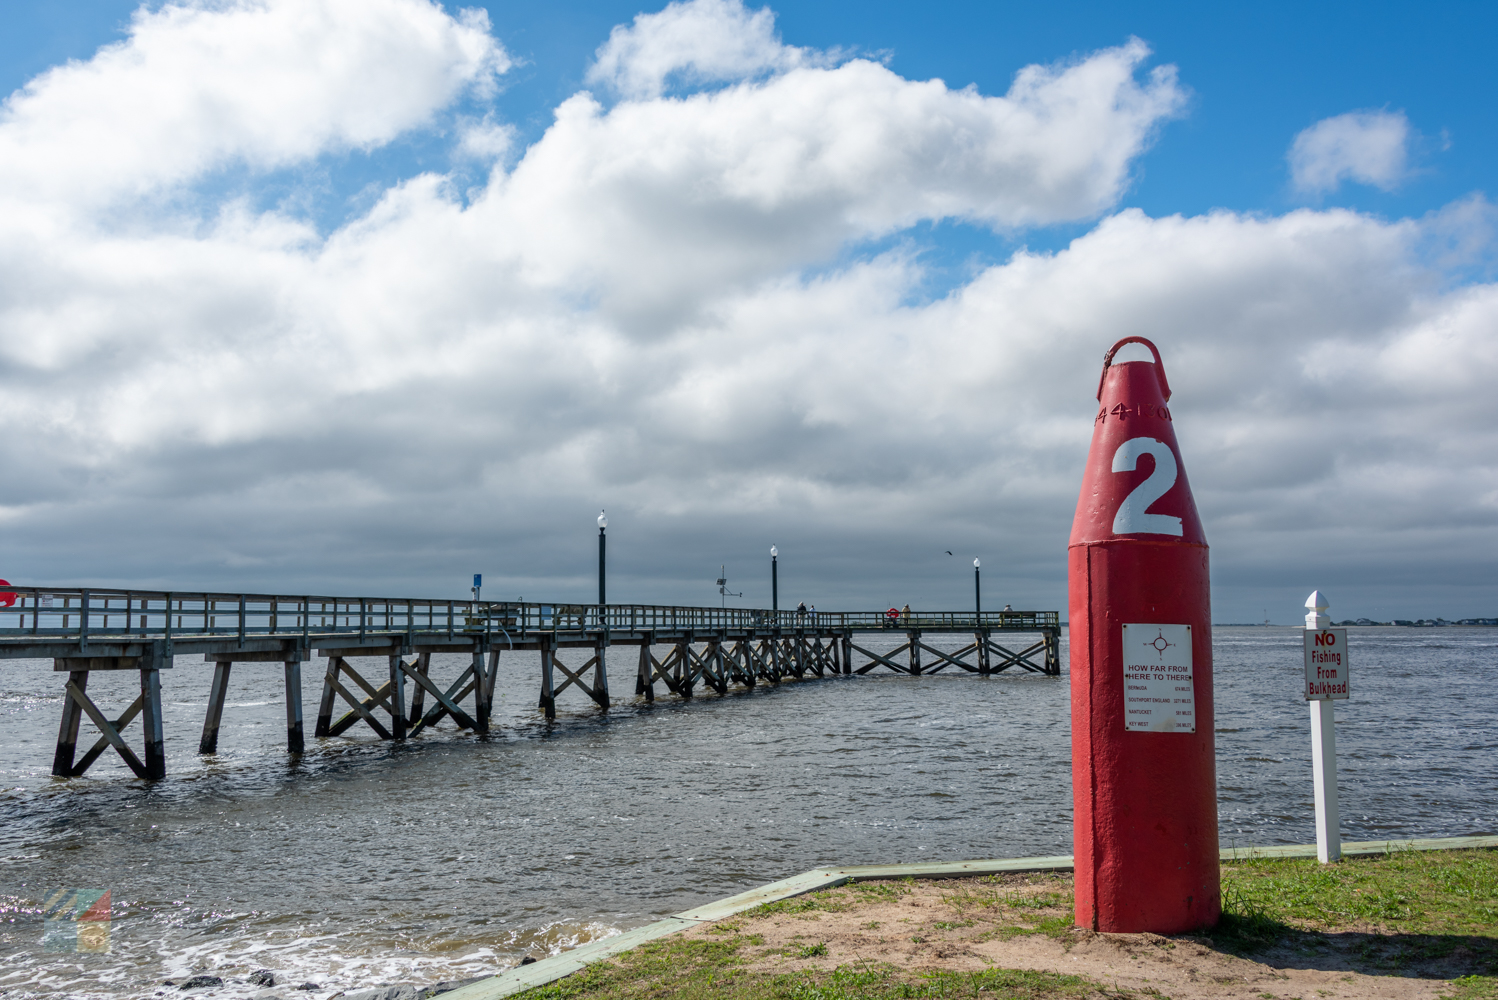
<point>1160,644</point>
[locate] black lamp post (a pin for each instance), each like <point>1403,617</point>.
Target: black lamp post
<point>774,578</point>
<point>603,522</point>
<point>977,591</point>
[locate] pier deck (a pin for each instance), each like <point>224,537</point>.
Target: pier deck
<point>85,629</point>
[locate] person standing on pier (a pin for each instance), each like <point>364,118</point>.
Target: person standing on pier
<point>812,614</point>
<point>801,610</point>
<point>905,614</point>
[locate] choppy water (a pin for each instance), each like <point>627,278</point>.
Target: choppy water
<point>366,863</point>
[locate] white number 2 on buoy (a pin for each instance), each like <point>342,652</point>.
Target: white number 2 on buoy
<point>1133,517</point>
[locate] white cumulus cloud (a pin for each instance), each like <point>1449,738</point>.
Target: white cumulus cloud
<point>696,41</point>
<point>652,203</point>
<point>1369,147</point>
<point>265,83</point>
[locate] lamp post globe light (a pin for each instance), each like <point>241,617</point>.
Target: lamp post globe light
<point>603,522</point>
<point>774,578</point>
<point>977,591</point>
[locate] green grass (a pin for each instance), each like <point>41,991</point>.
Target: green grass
<point>1048,913</point>
<point>884,982</point>
<point>1473,988</point>
<point>836,900</point>
<point>1058,926</point>
<point>828,900</point>
<point>1423,892</point>
<point>684,969</point>
<point>971,897</point>
<point>882,890</point>
<point>1391,910</point>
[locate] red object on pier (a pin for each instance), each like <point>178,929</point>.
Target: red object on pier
<point>1144,776</point>
<point>7,598</point>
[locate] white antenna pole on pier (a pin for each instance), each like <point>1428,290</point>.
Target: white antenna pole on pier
<point>1324,752</point>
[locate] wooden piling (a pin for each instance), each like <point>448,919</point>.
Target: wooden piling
<point>217,691</point>
<point>548,700</point>
<point>601,674</point>
<point>293,669</point>
<point>645,676</point>
<point>150,691</point>
<point>480,691</point>
<point>490,681</point>
<point>719,670</point>
<point>419,693</point>
<point>397,697</point>
<point>329,692</point>
<point>1053,652</point>
<point>67,734</point>
<point>685,675</point>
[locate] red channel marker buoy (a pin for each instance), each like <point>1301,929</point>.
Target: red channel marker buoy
<point>1144,776</point>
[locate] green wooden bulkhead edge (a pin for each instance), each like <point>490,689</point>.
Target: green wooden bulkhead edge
<point>1361,847</point>
<point>549,970</point>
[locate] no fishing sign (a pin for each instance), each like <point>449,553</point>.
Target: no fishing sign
<point>1326,664</point>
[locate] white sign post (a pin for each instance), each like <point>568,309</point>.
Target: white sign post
<point>1326,681</point>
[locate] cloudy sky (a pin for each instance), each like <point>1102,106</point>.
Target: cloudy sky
<point>366,296</point>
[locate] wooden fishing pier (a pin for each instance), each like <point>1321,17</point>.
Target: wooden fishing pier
<point>84,630</point>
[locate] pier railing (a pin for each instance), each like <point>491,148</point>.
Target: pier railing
<point>87,612</point>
